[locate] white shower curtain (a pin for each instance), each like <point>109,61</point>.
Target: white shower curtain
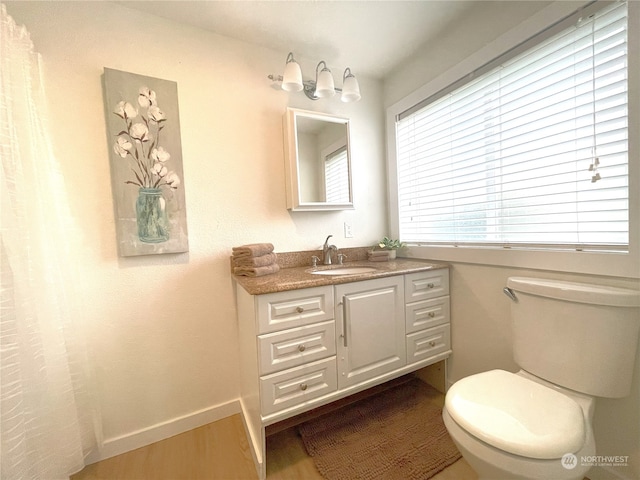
<point>48,420</point>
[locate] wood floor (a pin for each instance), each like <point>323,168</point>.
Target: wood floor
<point>220,451</point>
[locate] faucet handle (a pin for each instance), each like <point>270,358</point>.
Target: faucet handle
<point>341,257</point>
<point>314,261</point>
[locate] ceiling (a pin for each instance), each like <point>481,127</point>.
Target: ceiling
<point>371,37</point>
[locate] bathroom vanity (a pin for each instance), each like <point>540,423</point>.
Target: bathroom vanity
<point>308,339</point>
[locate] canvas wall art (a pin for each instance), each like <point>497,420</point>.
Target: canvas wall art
<point>145,152</point>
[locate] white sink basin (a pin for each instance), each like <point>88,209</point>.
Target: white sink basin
<point>343,271</point>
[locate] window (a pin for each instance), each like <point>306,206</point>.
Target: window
<point>533,152</point>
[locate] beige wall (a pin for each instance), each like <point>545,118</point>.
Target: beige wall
<point>162,329</point>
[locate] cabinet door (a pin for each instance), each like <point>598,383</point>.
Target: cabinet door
<point>370,322</point>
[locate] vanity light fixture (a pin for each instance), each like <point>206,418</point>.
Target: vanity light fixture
<point>322,86</point>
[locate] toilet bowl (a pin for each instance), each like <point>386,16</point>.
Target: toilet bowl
<point>517,427</point>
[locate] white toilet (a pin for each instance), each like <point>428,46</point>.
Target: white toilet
<point>573,342</point>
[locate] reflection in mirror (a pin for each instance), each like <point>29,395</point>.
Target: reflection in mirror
<point>318,161</point>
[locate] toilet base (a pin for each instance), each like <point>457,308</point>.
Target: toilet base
<point>491,463</point>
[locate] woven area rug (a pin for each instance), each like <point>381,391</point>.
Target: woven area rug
<point>397,434</point>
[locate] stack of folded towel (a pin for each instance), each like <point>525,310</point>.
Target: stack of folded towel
<point>254,260</point>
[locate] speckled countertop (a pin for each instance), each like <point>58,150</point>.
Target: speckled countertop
<point>293,276</point>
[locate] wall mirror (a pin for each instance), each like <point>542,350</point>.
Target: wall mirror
<point>318,161</point>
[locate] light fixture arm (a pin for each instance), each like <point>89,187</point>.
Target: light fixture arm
<point>324,67</point>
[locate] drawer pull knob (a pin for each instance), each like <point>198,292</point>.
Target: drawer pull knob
<point>302,348</point>
<point>303,386</point>
<point>432,343</point>
<point>432,314</point>
<point>431,285</point>
<point>299,309</point>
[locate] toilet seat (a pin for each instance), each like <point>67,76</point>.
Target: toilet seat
<point>517,415</point>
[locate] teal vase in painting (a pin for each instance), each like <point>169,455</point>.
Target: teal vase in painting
<point>151,216</point>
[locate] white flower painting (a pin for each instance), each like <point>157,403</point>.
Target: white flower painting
<point>146,163</point>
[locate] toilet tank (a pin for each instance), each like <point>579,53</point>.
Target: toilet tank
<point>579,336</point>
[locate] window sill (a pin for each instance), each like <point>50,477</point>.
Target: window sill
<point>611,264</point>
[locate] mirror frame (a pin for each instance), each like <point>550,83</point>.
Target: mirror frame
<point>292,170</point>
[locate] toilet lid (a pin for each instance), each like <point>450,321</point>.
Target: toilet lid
<point>517,415</point>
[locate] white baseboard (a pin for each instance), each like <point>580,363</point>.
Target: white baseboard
<point>146,436</point>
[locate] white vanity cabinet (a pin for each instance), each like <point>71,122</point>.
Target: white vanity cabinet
<point>301,349</point>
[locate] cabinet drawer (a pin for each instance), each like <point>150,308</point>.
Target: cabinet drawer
<point>426,285</point>
<point>293,347</point>
<point>297,385</point>
<point>294,308</point>
<point>428,343</point>
<point>426,314</point>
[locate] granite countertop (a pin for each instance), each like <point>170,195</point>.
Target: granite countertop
<point>297,277</point>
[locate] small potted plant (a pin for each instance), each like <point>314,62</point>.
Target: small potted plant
<point>391,245</point>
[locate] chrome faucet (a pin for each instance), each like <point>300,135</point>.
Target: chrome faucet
<point>326,251</point>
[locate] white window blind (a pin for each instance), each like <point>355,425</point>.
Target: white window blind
<point>531,153</point>
<point>336,182</point>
